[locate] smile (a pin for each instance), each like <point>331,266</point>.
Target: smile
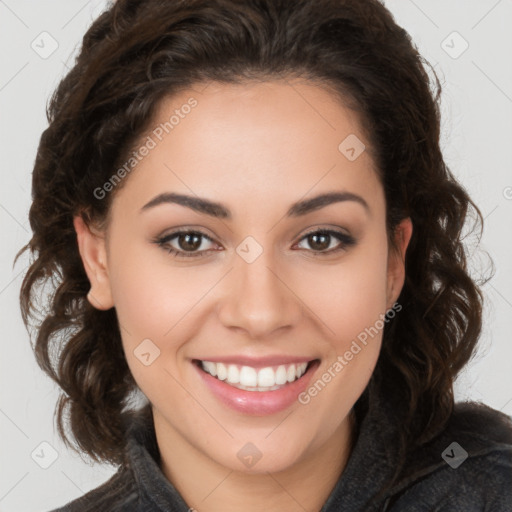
<point>252,379</point>
<point>267,387</point>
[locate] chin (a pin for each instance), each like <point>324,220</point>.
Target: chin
<point>262,456</point>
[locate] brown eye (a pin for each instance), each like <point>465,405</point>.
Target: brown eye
<point>320,241</point>
<point>187,243</point>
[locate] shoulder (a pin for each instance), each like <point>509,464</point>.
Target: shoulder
<point>466,467</point>
<point>119,493</point>
<point>481,422</point>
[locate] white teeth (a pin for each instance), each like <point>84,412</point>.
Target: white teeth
<point>301,368</point>
<point>222,372</point>
<point>281,375</point>
<point>233,374</point>
<point>266,377</point>
<point>246,377</point>
<point>210,367</point>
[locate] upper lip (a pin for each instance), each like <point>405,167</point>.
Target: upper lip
<point>258,362</point>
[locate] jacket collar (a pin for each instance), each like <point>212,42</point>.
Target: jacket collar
<point>144,458</point>
<point>374,456</point>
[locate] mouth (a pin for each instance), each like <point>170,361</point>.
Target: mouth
<point>257,389</point>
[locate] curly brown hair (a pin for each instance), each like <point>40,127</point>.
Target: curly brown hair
<point>139,52</point>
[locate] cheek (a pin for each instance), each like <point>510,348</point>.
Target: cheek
<point>351,303</point>
<point>150,296</point>
<point>151,303</point>
<point>147,306</point>
<point>349,297</point>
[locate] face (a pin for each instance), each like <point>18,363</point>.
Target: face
<point>263,285</point>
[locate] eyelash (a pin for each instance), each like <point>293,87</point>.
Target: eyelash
<point>346,241</point>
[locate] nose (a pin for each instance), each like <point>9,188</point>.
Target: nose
<point>258,299</point>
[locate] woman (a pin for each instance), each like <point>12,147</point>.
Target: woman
<point>251,223</point>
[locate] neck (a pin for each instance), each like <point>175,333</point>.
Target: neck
<point>207,486</point>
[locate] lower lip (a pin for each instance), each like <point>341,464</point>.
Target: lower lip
<point>258,403</point>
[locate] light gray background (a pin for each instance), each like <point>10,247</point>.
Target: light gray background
<point>477,140</point>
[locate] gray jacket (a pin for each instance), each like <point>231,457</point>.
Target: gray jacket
<point>466,468</point>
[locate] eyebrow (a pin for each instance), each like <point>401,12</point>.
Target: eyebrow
<point>220,211</point>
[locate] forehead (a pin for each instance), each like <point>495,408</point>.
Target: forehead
<point>277,140</point>
<point>260,109</point>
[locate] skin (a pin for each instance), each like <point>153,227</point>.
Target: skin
<point>257,148</point>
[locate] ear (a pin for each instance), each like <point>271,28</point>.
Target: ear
<point>91,244</point>
<point>396,260</point>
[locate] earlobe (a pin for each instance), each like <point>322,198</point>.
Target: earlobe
<point>396,260</point>
<point>91,245</point>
